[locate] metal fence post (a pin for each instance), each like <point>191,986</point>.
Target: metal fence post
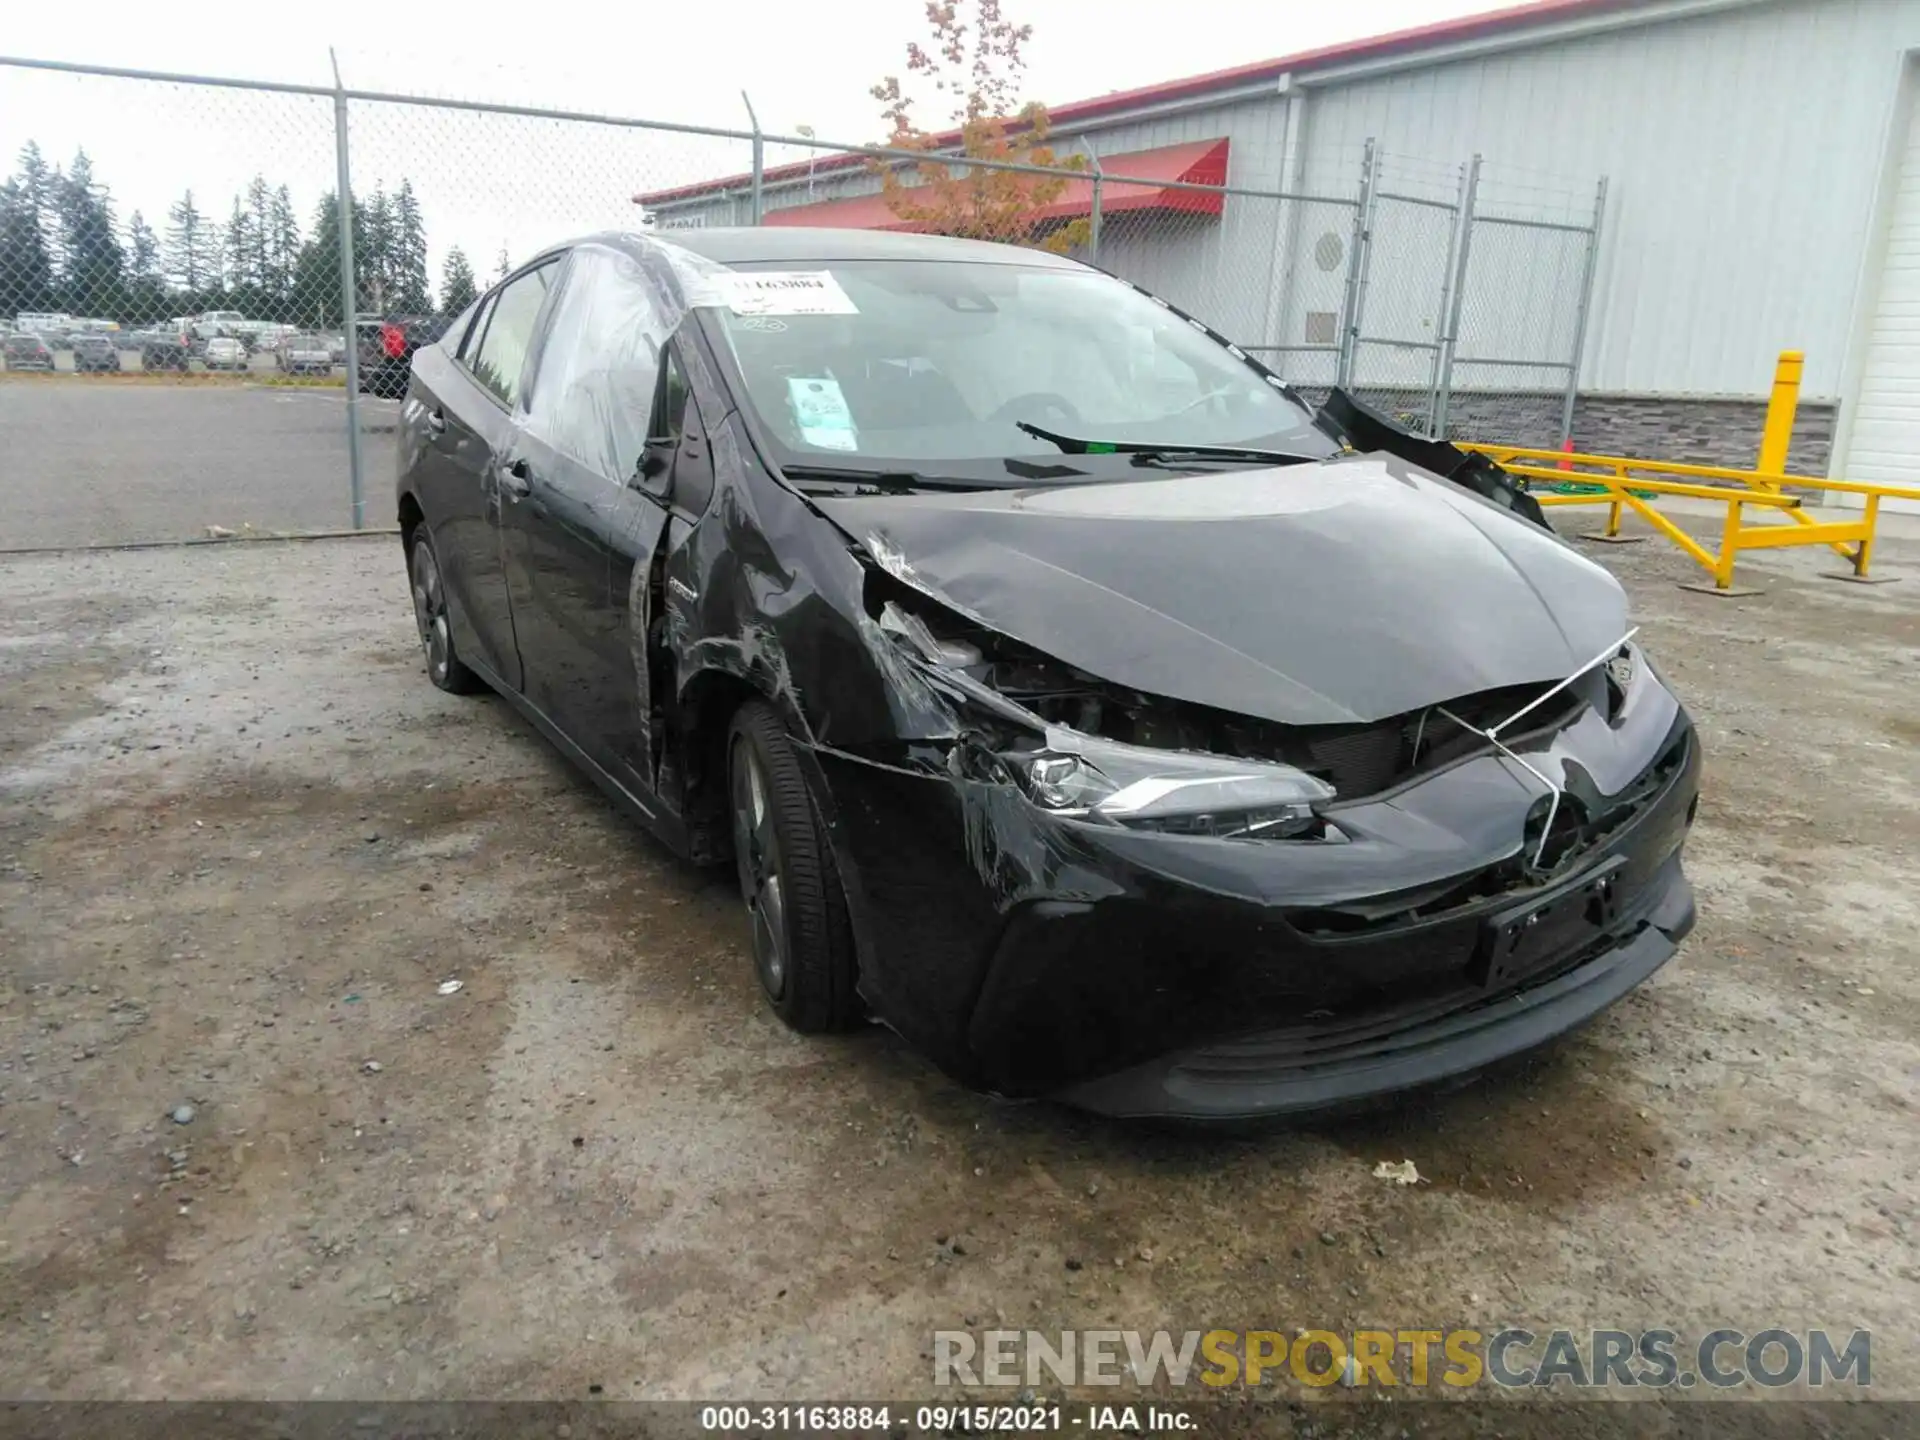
<point>1586,309</point>
<point>1093,230</point>
<point>1356,270</point>
<point>1454,296</point>
<point>349,319</point>
<point>759,158</point>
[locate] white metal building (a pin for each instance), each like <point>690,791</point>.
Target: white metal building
<point>1763,159</point>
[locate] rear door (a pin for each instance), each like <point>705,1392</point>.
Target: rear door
<point>468,401</point>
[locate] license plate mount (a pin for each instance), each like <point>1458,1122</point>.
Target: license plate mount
<point>1519,941</point>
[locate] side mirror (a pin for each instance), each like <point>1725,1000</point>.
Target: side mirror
<point>655,472</point>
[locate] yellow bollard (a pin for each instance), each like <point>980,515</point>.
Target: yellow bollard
<point>1729,548</point>
<point>1777,437</point>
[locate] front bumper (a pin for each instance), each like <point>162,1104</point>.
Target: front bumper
<point>1313,1067</point>
<point>1032,956</point>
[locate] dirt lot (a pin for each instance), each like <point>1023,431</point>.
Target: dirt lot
<point>242,842</point>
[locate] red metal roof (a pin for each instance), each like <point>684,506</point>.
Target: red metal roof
<point>1398,42</point>
<point>1199,162</point>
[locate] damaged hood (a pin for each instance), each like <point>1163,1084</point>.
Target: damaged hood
<point>1339,592</point>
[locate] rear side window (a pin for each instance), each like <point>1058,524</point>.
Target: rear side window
<point>499,362</point>
<point>467,328</point>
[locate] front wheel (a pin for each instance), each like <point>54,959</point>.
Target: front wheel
<point>802,942</point>
<point>430,615</point>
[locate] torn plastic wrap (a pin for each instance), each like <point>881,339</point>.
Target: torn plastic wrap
<point>601,361</point>
<point>1367,429</point>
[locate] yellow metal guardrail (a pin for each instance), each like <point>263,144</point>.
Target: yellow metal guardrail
<point>1624,483</point>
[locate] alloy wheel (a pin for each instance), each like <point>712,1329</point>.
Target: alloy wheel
<point>430,611</point>
<point>756,849</point>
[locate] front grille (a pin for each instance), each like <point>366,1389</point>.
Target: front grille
<point>1576,834</point>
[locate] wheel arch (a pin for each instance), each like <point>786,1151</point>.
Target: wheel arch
<point>411,518</point>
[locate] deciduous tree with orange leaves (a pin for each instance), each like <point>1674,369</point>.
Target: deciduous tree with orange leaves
<point>973,67</point>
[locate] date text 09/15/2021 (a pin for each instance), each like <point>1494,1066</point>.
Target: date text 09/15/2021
<point>944,1419</point>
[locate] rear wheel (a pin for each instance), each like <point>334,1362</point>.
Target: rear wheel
<point>430,615</point>
<point>802,942</point>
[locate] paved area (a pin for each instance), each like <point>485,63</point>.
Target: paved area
<point>94,460</point>
<point>243,843</point>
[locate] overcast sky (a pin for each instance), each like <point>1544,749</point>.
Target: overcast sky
<point>489,183</point>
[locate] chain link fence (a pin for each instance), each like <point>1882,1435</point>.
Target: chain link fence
<point>228,275</point>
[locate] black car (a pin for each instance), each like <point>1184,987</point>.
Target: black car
<point>23,351</point>
<point>95,353</point>
<point>1066,692</point>
<point>166,349</point>
<point>386,349</point>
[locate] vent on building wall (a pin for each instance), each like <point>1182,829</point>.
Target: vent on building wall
<point>1320,327</point>
<point>1329,250</point>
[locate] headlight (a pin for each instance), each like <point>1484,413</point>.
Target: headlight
<point>1186,793</point>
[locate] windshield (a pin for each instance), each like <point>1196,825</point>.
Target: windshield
<point>912,363</point>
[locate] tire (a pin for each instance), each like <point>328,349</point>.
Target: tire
<point>802,941</point>
<point>430,617</point>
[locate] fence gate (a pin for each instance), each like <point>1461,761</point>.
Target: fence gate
<point>1401,290</point>
<point>1526,290</point>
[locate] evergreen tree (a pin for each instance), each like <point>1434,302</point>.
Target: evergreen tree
<point>26,269</point>
<point>92,264</point>
<point>36,180</point>
<point>259,207</point>
<point>143,249</point>
<point>146,288</point>
<point>283,248</point>
<point>192,249</point>
<point>373,253</point>
<point>316,276</point>
<point>458,288</point>
<point>501,266</point>
<point>240,246</point>
<point>407,257</point>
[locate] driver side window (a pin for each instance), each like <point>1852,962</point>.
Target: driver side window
<point>600,364</point>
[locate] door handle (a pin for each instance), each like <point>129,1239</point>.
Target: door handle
<point>516,480</point>
<point>436,422</point>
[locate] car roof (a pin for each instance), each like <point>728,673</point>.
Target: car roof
<point>793,244</point>
<point>790,242</point>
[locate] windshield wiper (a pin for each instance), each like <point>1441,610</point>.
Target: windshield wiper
<point>1147,454</point>
<point>898,482</point>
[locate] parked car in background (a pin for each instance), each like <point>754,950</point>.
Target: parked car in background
<point>336,347</point>
<point>1066,691</point>
<point>165,349</point>
<point>224,352</point>
<point>94,353</point>
<point>27,351</point>
<point>386,350</point>
<point>303,355</point>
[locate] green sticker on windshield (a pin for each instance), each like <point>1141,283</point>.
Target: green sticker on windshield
<point>821,412</point>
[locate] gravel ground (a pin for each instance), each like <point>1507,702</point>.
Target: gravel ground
<point>243,843</point>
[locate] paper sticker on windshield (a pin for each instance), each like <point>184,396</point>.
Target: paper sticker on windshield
<point>785,292</point>
<point>821,412</point>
